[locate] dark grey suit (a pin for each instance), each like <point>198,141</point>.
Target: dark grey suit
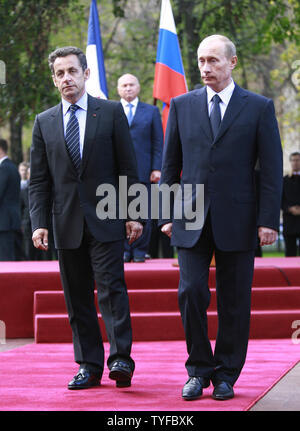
<point>226,167</point>
<point>10,217</point>
<point>89,249</point>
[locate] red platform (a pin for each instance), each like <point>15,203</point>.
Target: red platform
<point>32,302</point>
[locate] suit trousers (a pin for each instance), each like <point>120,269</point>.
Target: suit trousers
<point>291,246</point>
<point>7,245</point>
<point>234,274</point>
<point>80,268</point>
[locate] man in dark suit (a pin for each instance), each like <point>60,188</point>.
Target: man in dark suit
<point>214,137</point>
<point>291,207</point>
<point>147,137</point>
<point>78,145</point>
<point>10,218</point>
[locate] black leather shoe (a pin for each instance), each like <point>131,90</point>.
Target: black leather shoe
<point>84,379</point>
<point>126,258</point>
<point>138,259</point>
<point>194,387</point>
<point>122,373</point>
<point>223,391</point>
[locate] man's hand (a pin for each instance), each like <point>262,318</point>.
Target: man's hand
<point>266,235</point>
<point>155,176</point>
<point>134,230</point>
<point>40,239</point>
<point>167,229</point>
<point>295,210</point>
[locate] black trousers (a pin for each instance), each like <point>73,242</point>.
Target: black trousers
<point>80,269</point>
<point>234,273</point>
<point>291,246</point>
<point>7,245</point>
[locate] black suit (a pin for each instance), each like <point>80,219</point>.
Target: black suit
<point>10,219</point>
<point>89,249</point>
<point>291,222</point>
<point>226,167</point>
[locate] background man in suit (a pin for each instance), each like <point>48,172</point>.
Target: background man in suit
<point>10,218</point>
<point>214,137</point>
<point>291,207</point>
<point>147,137</point>
<point>78,145</point>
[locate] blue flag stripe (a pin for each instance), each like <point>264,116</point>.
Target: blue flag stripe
<point>168,51</point>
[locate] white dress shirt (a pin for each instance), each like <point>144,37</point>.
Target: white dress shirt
<point>225,96</point>
<point>126,107</point>
<point>80,114</point>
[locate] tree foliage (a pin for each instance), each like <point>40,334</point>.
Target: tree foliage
<point>25,28</point>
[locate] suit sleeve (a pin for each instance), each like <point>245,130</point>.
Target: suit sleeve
<point>271,169</point>
<point>171,163</point>
<point>40,181</point>
<point>157,138</point>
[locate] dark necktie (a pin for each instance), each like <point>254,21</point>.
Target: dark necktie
<point>130,113</point>
<point>72,138</point>
<point>215,115</point>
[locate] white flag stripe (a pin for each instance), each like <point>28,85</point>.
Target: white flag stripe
<point>166,18</point>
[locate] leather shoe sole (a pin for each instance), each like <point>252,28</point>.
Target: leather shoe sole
<point>223,391</point>
<point>193,388</point>
<point>138,259</point>
<point>122,373</point>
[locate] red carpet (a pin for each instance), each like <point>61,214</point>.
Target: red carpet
<point>34,378</point>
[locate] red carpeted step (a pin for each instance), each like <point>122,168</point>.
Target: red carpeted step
<point>168,326</point>
<point>166,300</point>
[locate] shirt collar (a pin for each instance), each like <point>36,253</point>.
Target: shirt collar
<point>134,102</point>
<point>3,158</point>
<point>82,103</point>
<point>224,95</point>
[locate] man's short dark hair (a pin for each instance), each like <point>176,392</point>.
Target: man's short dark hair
<point>63,52</point>
<point>295,153</point>
<point>3,145</point>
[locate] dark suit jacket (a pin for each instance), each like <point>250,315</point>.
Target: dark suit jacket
<point>10,218</point>
<point>290,197</point>
<point>108,153</point>
<point>147,137</point>
<point>225,166</point>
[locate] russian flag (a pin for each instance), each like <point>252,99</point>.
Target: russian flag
<point>96,84</point>
<point>169,80</point>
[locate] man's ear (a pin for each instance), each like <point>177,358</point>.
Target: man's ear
<point>86,73</point>
<point>234,62</point>
<point>54,81</point>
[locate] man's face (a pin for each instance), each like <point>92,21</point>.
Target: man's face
<point>215,67</point>
<point>295,163</point>
<point>128,87</point>
<point>69,77</point>
<point>23,172</point>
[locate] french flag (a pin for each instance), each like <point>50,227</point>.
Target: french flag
<point>96,84</point>
<point>169,80</point>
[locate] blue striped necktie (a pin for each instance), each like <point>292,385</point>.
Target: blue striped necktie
<point>72,138</point>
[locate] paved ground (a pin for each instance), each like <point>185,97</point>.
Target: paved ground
<point>285,396</point>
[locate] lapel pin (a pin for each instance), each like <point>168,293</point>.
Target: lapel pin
<point>94,115</point>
